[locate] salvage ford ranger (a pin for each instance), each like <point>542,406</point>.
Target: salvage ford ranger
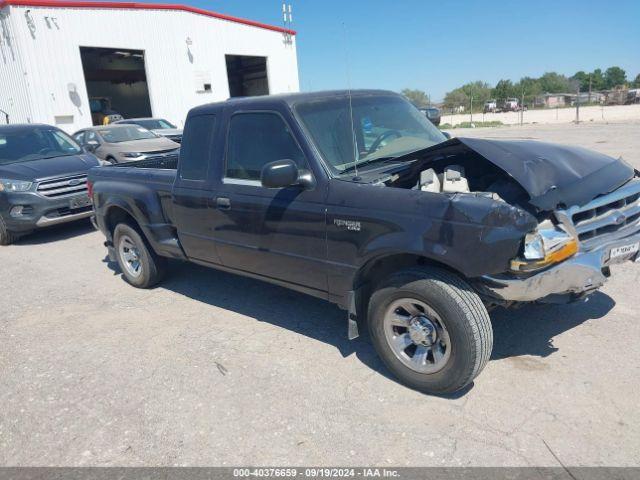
<point>356,198</point>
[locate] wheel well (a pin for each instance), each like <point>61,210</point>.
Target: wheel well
<point>377,269</point>
<point>117,215</point>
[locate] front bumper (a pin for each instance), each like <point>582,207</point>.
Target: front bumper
<point>39,211</point>
<point>578,276</point>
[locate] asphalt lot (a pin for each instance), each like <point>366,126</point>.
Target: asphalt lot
<point>214,369</point>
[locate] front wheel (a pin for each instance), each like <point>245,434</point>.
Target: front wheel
<point>430,329</point>
<point>140,265</point>
<point>6,237</point>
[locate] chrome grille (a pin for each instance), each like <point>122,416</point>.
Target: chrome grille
<point>63,186</point>
<point>616,214</point>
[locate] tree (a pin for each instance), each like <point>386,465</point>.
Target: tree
<point>456,98</point>
<point>636,82</point>
<point>528,87</point>
<point>584,79</point>
<point>597,80</point>
<point>615,77</point>
<point>552,82</point>
<point>503,90</point>
<point>417,97</point>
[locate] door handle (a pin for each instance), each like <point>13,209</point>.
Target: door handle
<point>223,203</point>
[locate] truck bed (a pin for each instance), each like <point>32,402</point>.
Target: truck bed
<point>152,178</point>
<point>156,173</point>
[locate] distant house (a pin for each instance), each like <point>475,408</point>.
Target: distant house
<point>553,100</point>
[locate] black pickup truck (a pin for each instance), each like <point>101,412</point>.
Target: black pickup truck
<point>356,198</point>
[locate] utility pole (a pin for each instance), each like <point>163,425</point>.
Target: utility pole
<point>578,104</point>
<point>522,108</point>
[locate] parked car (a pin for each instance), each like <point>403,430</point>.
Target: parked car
<point>433,114</point>
<point>124,143</point>
<point>159,126</point>
<point>43,179</point>
<point>414,234</point>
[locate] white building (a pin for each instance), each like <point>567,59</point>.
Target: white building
<point>61,59</point>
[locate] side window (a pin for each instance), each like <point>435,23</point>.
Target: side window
<point>79,137</point>
<point>256,139</point>
<point>91,137</point>
<point>195,153</point>
<point>63,142</point>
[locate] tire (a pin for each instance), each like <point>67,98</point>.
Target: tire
<point>6,237</point>
<point>132,251</point>
<point>438,308</point>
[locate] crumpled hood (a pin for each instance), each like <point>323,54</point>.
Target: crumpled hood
<point>34,170</point>
<point>551,174</point>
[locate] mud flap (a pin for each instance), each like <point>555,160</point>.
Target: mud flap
<point>352,317</point>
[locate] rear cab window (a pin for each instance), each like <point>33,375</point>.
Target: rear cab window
<point>196,150</point>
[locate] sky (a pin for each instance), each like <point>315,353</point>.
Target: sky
<point>438,45</point>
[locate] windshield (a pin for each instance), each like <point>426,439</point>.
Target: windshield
<point>154,124</point>
<point>125,134</point>
<point>35,143</point>
<point>383,127</point>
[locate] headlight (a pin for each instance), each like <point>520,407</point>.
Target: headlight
<point>7,185</point>
<point>549,244</point>
<point>132,154</point>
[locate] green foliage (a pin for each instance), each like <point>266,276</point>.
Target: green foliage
<point>583,78</point>
<point>456,98</point>
<point>615,77</point>
<point>529,87</point>
<point>417,97</point>
<point>503,90</point>
<point>479,91</point>
<point>553,82</point>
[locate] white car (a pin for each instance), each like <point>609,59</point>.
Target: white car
<point>159,126</point>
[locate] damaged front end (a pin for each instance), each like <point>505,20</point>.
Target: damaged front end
<point>580,210</point>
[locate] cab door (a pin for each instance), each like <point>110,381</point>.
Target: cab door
<point>278,233</point>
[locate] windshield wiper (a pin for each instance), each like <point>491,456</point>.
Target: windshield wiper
<point>61,155</point>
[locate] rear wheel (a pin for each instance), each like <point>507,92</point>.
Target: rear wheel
<point>6,237</point>
<point>140,265</point>
<point>430,329</point>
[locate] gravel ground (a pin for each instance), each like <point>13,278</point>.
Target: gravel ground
<point>214,369</point>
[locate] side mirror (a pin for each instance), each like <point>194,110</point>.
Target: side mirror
<point>280,174</point>
<point>446,134</point>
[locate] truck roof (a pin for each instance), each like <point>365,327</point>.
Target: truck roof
<point>289,98</point>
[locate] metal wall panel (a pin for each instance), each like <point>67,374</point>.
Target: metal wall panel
<point>179,47</point>
<point>14,96</point>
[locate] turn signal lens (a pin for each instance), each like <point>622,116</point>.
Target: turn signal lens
<point>546,246</point>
